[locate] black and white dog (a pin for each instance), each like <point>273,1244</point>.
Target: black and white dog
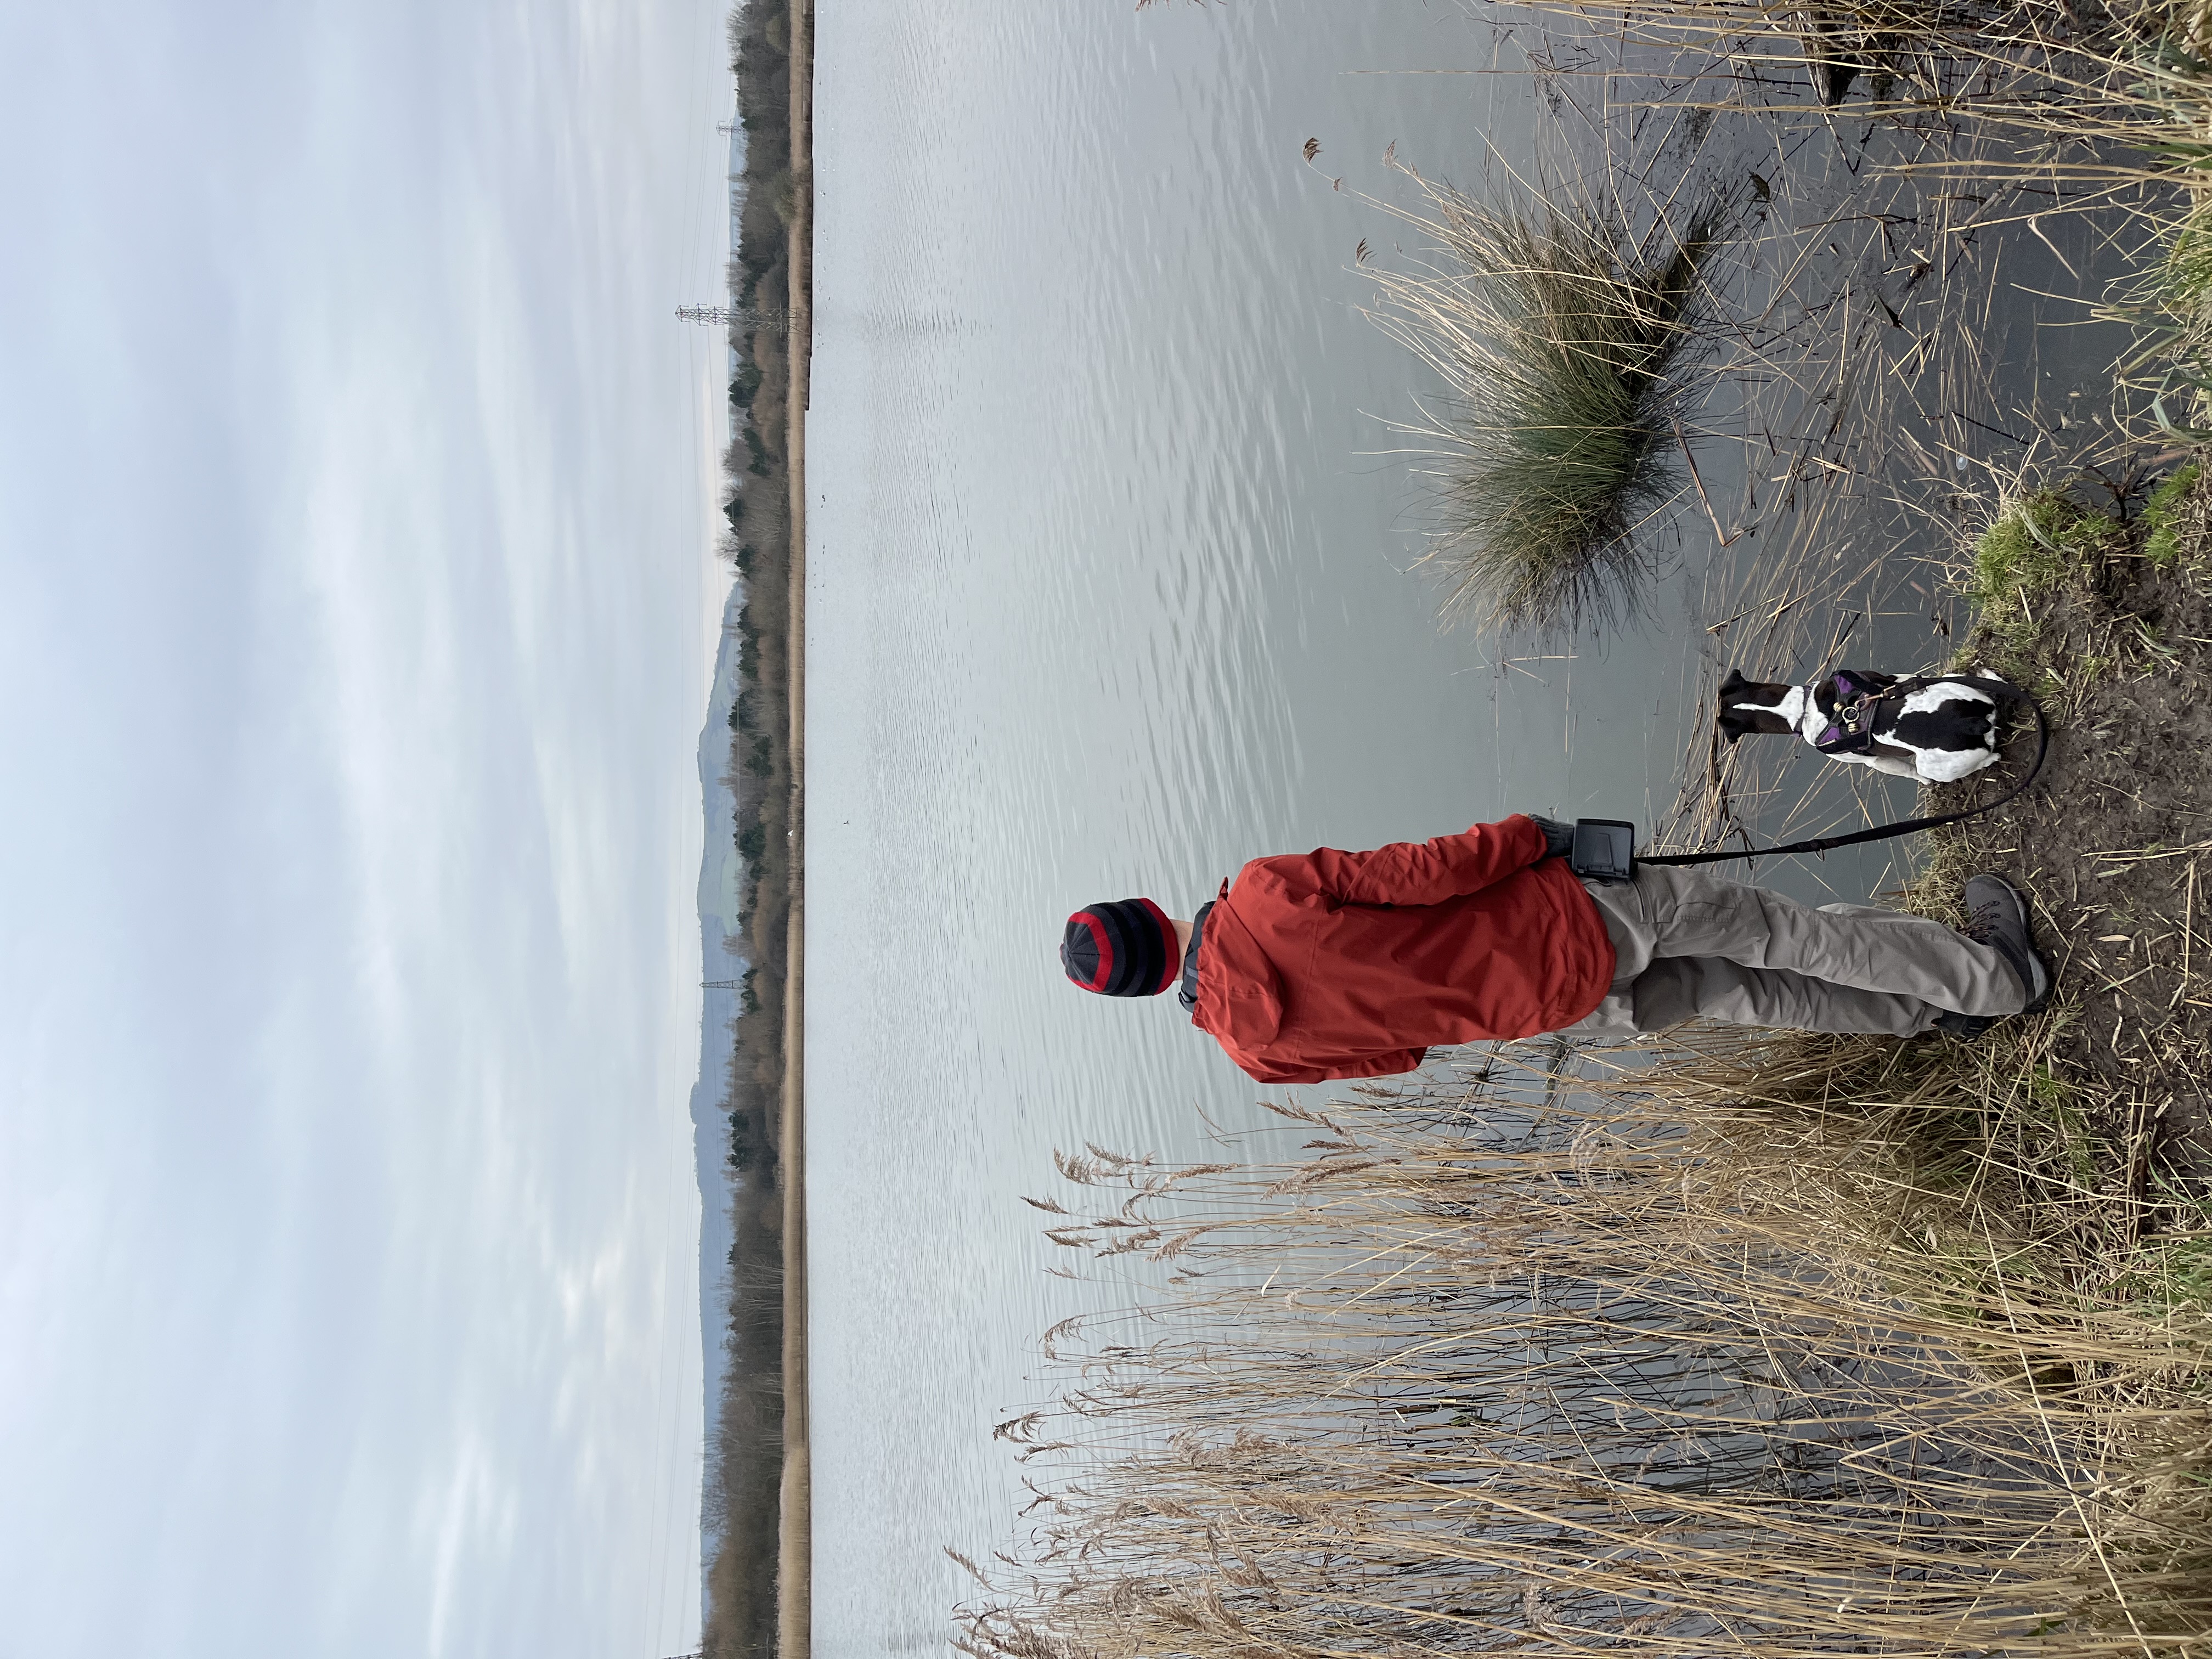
<point>1936,727</point>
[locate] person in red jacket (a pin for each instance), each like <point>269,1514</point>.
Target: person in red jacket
<point>1322,965</point>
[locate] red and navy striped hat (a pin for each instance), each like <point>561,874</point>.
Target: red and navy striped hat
<point>1121,948</point>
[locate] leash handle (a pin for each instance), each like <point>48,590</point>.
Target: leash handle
<point>1885,831</point>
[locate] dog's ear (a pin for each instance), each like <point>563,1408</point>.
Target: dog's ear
<point>1732,725</point>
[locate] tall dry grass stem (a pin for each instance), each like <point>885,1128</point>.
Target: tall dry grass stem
<point>1698,1362</point>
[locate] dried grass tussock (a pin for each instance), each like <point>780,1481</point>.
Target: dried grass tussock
<point>1685,1362</point>
<point>1567,346</point>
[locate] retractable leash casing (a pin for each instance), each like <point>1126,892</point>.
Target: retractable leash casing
<point>1605,848</point>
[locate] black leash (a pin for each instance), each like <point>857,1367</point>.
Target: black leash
<point>1885,831</point>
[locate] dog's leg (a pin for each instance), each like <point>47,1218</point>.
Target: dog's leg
<point>1897,765</point>
<point>1880,762</point>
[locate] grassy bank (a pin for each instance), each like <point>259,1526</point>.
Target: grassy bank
<point>794,1605</point>
<point>2108,621</point>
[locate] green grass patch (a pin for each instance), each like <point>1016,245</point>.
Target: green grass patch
<point>2162,518</point>
<point>2174,1273</point>
<point>2037,578</point>
<point>2039,544</point>
<point>2169,1271</point>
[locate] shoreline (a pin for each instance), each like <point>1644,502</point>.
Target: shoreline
<point>795,1542</point>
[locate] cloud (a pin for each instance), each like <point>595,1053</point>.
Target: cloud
<point>352,594</point>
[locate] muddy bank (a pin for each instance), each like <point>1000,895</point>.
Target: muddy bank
<point>2114,838</point>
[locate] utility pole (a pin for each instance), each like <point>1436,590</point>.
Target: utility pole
<point>762,319</point>
<point>728,129</point>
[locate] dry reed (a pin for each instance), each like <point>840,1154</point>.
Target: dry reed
<point>1488,1377</point>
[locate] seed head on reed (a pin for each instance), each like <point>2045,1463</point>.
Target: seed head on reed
<point>1567,346</point>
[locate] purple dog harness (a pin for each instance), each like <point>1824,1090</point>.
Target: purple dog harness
<point>1851,730</point>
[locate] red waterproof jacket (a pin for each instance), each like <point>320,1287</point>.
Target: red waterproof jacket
<point>1329,964</point>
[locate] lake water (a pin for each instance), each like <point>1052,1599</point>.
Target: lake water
<point>1108,592</point>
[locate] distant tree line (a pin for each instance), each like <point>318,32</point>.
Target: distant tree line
<point>740,1507</point>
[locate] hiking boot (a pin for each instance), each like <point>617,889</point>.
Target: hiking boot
<point>1996,915</point>
<point>1964,1027</point>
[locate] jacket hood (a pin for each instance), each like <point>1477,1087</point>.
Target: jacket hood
<point>1241,1000</point>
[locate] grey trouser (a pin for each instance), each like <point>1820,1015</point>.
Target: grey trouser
<point>1693,947</point>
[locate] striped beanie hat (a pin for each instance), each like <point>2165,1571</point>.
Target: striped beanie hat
<point>1121,948</point>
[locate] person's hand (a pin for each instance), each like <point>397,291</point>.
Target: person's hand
<point>1558,838</point>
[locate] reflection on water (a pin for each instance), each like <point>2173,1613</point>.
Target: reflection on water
<point>1109,594</point>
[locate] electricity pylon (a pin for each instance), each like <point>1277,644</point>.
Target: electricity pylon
<point>769,319</point>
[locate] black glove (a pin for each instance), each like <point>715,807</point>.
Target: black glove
<point>1558,838</point>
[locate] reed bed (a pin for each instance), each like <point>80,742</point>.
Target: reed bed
<point>2071,75</point>
<point>2106,107</point>
<point>1687,1361</point>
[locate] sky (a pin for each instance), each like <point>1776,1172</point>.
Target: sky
<point>357,622</point>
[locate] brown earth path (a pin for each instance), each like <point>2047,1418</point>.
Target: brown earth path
<point>795,1565</point>
<point>2113,842</point>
